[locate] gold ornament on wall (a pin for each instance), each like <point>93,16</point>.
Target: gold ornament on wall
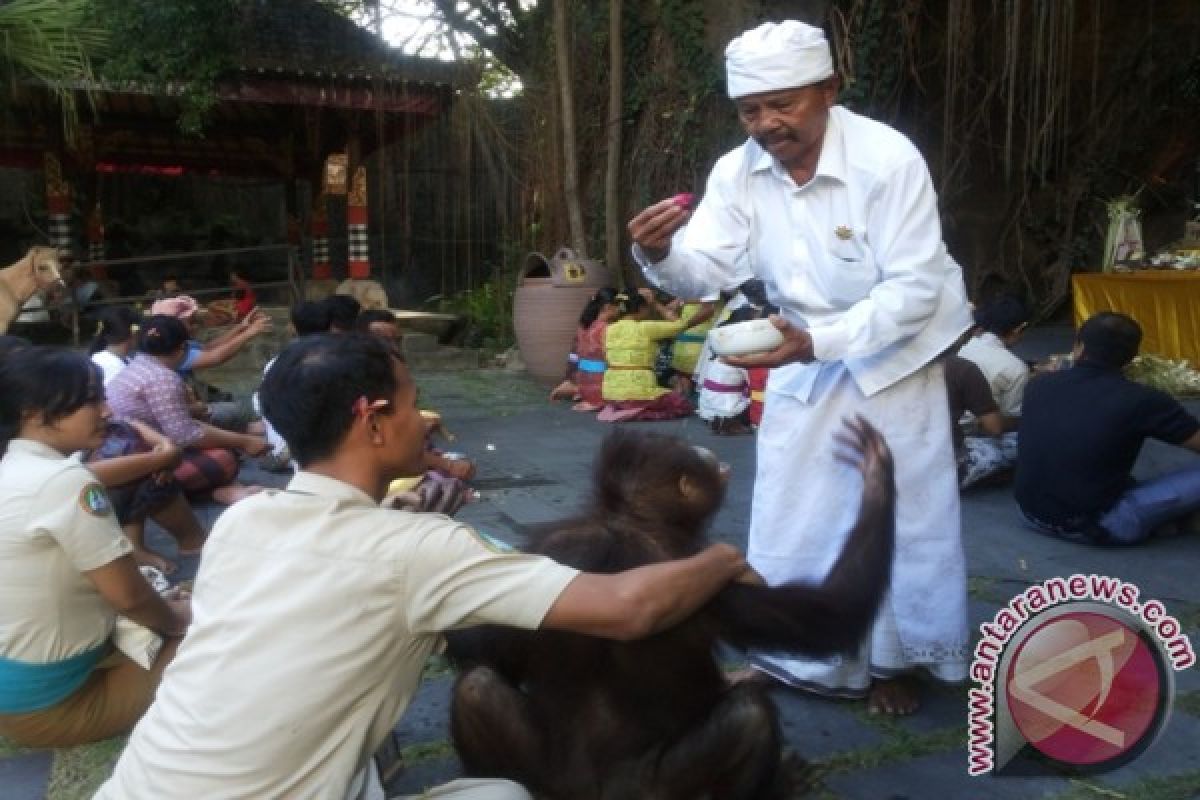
<point>358,188</point>
<point>336,165</point>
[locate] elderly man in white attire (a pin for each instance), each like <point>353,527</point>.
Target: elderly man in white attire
<point>838,216</point>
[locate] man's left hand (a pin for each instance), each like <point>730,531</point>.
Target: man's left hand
<point>797,346</point>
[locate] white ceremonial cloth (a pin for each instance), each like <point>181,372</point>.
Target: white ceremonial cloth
<point>712,403</point>
<point>805,502</point>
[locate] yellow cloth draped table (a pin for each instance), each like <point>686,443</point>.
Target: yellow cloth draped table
<point>1166,303</point>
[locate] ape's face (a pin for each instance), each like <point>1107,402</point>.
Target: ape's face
<point>711,458</point>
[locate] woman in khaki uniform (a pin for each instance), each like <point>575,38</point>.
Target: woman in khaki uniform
<point>66,569</point>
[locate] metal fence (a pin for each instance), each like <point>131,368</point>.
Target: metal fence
<point>294,282</point>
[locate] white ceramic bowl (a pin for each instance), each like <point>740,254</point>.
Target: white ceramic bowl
<point>743,338</point>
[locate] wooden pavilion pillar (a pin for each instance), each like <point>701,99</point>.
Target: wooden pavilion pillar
<point>318,228</point>
<point>357,234</point>
<point>58,204</point>
<point>96,251</point>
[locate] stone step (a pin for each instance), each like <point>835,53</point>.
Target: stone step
<point>412,343</point>
<point>444,359</point>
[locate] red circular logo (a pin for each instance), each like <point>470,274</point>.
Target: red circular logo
<point>1085,688</point>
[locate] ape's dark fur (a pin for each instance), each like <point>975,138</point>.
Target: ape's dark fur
<point>575,717</point>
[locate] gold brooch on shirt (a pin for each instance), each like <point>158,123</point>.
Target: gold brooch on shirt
<point>842,232</point>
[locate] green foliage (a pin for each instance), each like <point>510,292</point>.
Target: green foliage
<point>877,60</point>
<point>51,42</point>
<point>178,48</point>
<point>488,311</point>
<point>697,72</point>
<point>677,115</point>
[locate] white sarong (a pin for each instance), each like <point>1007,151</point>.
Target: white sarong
<point>805,502</point>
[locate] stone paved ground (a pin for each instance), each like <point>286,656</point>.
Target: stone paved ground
<point>534,466</point>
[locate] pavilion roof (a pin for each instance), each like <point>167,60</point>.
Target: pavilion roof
<point>303,38</point>
<point>295,59</point>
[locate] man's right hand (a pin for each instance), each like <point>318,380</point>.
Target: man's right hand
<point>652,228</point>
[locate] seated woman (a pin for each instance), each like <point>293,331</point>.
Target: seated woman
<point>699,316</point>
<point>151,391</point>
<point>66,570</point>
<point>724,400</point>
<point>136,464</point>
<point>585,371</point>
<point>631,344</point>
<point>116,337</point>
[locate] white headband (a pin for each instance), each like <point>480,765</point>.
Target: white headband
<point>777,56</point>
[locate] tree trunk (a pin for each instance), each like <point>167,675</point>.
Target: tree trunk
<point>570,159</point>
<point>612,196</point>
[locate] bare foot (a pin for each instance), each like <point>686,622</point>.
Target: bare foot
<point>585,406</point>
<point>228,495</point>
<point>895,697</point>
<point>145,558</point>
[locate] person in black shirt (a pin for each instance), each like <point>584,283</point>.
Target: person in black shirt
<point>1081,432</point>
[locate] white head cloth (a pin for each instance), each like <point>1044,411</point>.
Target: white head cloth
<point>776,56</point>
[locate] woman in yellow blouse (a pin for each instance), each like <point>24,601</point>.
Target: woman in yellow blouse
<point>631,345</point>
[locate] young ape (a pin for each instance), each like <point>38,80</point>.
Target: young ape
<point>573,717</point>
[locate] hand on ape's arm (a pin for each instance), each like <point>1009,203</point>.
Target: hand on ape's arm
<point>642,601</point>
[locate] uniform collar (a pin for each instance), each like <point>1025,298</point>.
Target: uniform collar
<point>830,164</point>
<point>322,486</point>
<point>34,448</point>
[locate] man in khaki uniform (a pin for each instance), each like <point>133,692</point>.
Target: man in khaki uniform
<point>315,609</point>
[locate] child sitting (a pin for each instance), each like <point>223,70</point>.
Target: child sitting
<point>724,389</point>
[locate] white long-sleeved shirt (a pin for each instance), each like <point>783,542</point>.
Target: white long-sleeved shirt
<point>1006,374</point>
<point>855,255</point>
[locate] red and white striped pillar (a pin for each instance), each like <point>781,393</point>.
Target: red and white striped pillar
<point>58,204</point>
<point>359,261</point>
<point>319,229</point>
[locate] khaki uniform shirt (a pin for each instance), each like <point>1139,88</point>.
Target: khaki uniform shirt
<point>56,522</point>
<point>314,612</point>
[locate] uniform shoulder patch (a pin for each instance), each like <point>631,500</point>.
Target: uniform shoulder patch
<point>94,500</point>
